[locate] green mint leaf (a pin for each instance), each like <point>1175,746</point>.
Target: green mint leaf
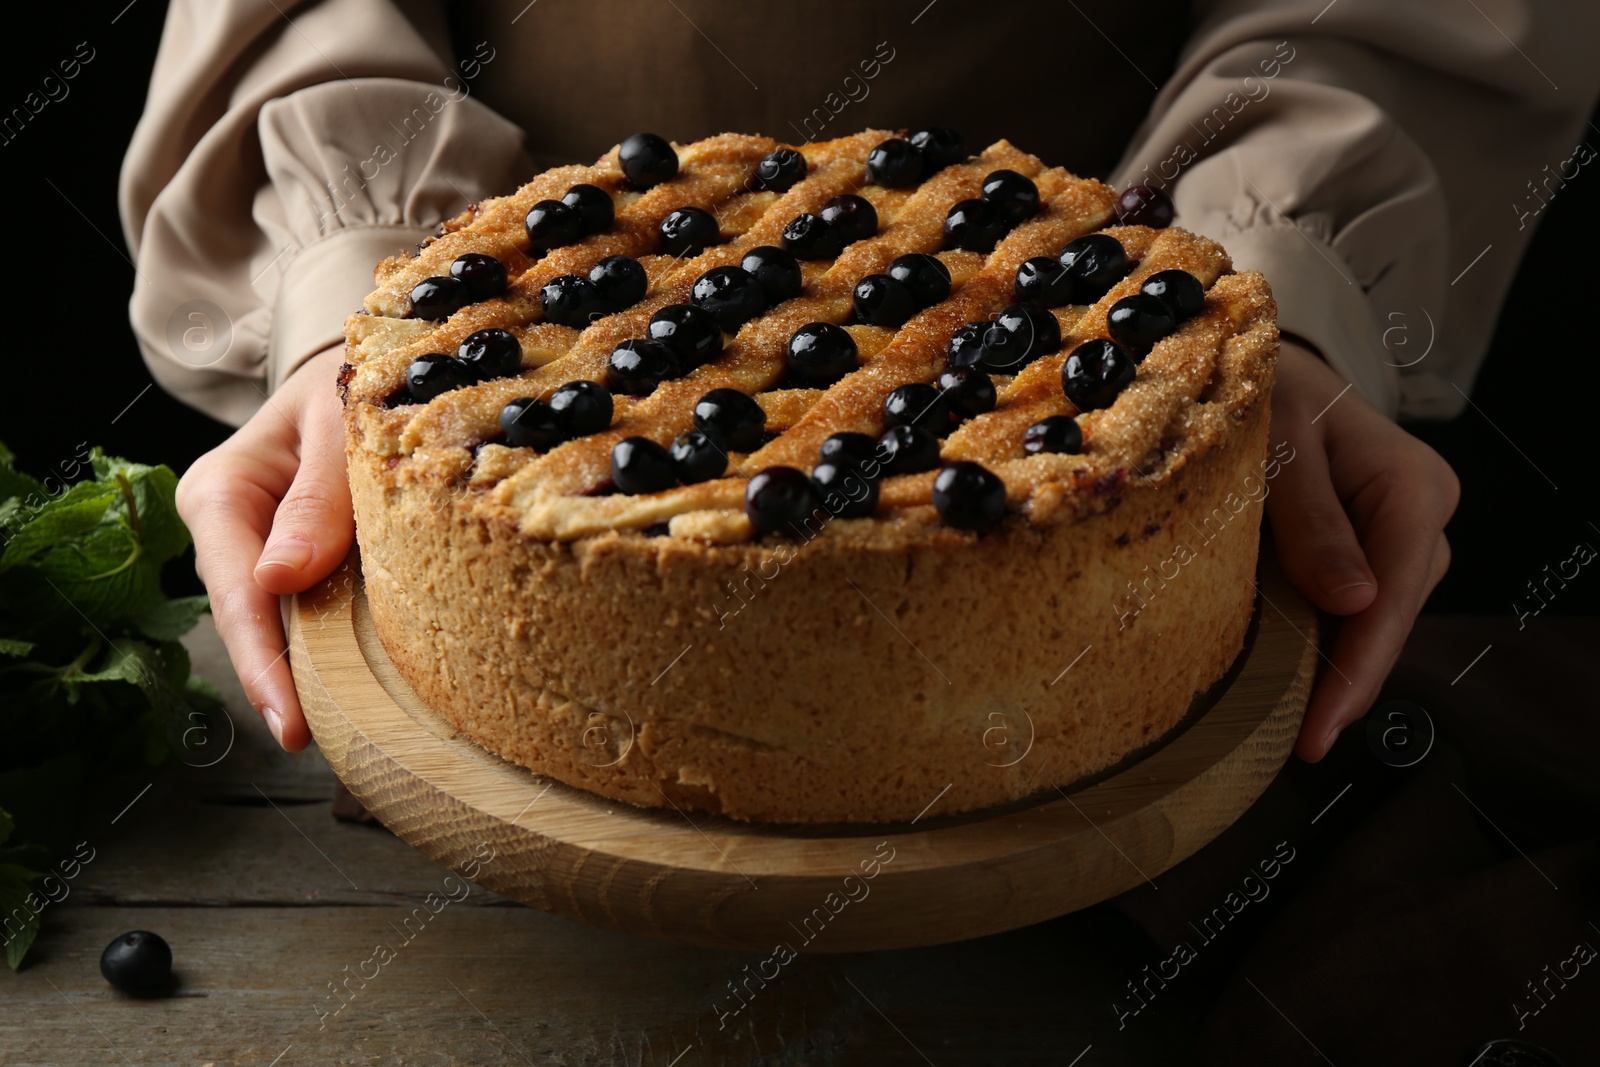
<point>162,531</point>
<point>19,923</point>
<point>69,515</point>
<point>103,573</point>
<point>10,646</point>
<point>170,619</point>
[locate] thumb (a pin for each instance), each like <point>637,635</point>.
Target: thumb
<point>314,523</point>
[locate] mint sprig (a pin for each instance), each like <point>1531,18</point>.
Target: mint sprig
<point>91,670</point>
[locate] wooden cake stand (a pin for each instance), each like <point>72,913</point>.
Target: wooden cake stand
<point>705,880</point>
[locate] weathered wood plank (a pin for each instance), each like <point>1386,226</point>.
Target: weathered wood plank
<point>479,986</point>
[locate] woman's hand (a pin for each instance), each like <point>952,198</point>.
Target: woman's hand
<point>270,512</point>
<point>1358,519</point>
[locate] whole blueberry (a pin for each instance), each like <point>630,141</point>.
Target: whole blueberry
<point>620,279</point>
<point>968,391</point>
<point>698,458</point>
<point>821,353</point>
<point>780,170</point>
<point>940,147</point>
<point>1181,291</point>
<point>636,367</point>
<point>491,353</point>
<point>731,297</point>
<point>1095,262</point>
<point>908,450</point>
<point>688,231</point>
<point>592,205</point>
<point>1043,282</point>
<point>879,300</point>
<point>138,962</point>
<point>895,164</point>
<point>639,465</point>
<point>779,496</point>
<point>1054,433</point>
<point>809,236</point>
<point>846,493</point>
<point>1144,205</point>
<point>573,301</point>
<point>776,271</point>
<point>928,278</point>
<point>439,298</point>
<point>917,404</point>
<point>1137,322</point>
<point>552,224</point>
<point>852,217</point>
<point>732,419</point>
<point>1095,374</point>
<point>583,407</point>
<point>530,423</point>
<point>1016,197</point>
<point>1020,334</point>
<point>690,332</point>
<point>436,374</point>
<point>966,345</point>
<point>484,276</point>
<point>856,450</point>
<point>975,225</point>
<point>969,496</point>
<point>647,160</point>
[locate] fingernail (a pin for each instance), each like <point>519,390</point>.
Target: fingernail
<point>274,723</point>
<point>291,552</point>
<point>1341,576</point>
<point>1333,735</point>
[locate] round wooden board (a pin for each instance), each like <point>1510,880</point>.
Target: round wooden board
<point>705,880</point>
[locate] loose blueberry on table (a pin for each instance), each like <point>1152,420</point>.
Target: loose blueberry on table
<point>138,962</point>
<point>969,496</point>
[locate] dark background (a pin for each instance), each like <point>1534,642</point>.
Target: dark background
<point>73,369</point>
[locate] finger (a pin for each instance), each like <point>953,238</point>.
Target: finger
<point>314,524</point>
<point>229,515</point>
<point>1370,642</point>
<point>1316,544</point>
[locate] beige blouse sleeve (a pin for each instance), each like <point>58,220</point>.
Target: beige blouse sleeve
<point>275,163</point>
<point>1382,163</point>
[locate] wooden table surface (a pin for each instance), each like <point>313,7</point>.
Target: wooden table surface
<point>274,911</point>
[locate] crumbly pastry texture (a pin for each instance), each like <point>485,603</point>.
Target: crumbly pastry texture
<point>654,649</point>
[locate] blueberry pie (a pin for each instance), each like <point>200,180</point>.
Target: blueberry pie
<point>840,482</point>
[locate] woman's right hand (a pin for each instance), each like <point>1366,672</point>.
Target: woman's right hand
<point>270,512</point>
